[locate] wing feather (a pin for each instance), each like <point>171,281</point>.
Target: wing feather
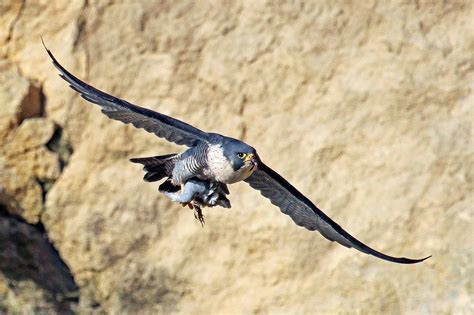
<point>304,213</point>
<point>161,125</point>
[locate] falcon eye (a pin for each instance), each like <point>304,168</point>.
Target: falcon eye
<point>241,155</point>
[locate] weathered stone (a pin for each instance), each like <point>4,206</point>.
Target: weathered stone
<point>27,167</point>
<point>7,124</point>
<point>365,107</point>
<point>30,135</point>
<point>33,279</point>
<point>19,97</point>
<point>9,14</point>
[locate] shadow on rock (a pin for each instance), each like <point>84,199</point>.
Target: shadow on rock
<point>27,255</point>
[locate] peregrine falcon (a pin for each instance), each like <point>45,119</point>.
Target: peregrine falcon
<point>214,159</point>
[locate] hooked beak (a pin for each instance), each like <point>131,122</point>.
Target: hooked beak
<point>252,159</point>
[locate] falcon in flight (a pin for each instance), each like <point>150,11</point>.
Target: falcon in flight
<point>214,158</point>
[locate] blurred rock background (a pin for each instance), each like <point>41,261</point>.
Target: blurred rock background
<point>365,106</point>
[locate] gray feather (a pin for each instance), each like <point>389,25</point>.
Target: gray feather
<point>304,213</point>
<point>191,163</point>
<point>161,125</point>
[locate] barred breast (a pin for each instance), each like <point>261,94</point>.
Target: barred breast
<point>190,163</point>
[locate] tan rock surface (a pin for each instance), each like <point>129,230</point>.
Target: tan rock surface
<point>26,164</point>
<point>20,97</point>
<point>366,108</point>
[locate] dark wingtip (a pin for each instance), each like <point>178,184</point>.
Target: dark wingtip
<point>55,62</point>
<point>47,50</point>
<point>415,261</point>
<point>403,260</point>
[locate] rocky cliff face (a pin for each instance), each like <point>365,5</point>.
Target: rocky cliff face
<point>366,108</point>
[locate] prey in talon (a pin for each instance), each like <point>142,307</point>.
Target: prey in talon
<point>197,194</point>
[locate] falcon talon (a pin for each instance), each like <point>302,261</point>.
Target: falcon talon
<point>196,192</point>
<point>198,215</point>
<point>210,163</point>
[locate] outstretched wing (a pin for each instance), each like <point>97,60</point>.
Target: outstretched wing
<point>161,125</point>
<point>293,203</point>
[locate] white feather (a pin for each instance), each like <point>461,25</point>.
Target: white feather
<point>221,168</point>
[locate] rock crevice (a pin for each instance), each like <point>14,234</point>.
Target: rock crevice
<point>32,268</point>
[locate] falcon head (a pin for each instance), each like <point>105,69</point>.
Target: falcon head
<point>241,156</point>
<point>230,160</point>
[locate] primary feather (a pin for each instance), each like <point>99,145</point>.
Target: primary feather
<point>161,125</point>
<point>304,213</point>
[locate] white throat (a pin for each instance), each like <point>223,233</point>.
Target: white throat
<point>221,169</point>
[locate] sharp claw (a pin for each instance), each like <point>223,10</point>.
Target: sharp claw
<point>198,215</point>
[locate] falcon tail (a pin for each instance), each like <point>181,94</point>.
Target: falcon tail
<point>156,167</point>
